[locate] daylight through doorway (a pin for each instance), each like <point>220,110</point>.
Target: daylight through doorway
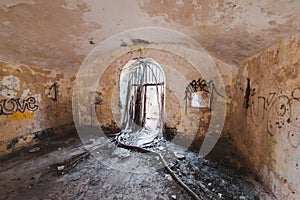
<point>142,102</point>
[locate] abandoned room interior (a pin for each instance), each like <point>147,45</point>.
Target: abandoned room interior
<point>150,99</point>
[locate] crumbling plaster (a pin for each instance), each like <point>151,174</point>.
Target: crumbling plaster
<point>188,122</point>
<point>28,104</point>
<point>176,118</point>
<point>267,132</point>
<point>58,34</point>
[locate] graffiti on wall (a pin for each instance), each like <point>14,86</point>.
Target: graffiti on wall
<point>259,104</point>
<point>52,92</point>
<point>18,108</point>
<point>279,111</point>
<point>213,90</point>
<point>199,85</point>
<point>203,88</point>
<point>13,105</point>
<point>247,94</point>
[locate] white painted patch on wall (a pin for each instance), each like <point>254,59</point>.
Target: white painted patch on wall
<point>38,98</point>
<point>200,100</point>
<point>9,85</point>
<point>11,82</point>
<point>26,93</point>
<point>7,93</point>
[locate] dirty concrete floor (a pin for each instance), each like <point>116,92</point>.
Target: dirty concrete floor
<point>62,169</point>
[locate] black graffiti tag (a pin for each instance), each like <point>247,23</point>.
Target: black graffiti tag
<point>201,85</point>
<point>10,106</point>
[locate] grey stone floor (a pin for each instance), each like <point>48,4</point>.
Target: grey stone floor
<point>63,170</point>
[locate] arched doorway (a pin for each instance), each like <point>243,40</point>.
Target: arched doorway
<point>142,101</point>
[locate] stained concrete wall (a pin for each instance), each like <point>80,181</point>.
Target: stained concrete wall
<point>267,130</point>
<point>178,74</point>
<point>187,122</point>
<point>29,110</point>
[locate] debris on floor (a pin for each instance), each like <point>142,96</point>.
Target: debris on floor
<point>35,149</point>
<point>103,176</point>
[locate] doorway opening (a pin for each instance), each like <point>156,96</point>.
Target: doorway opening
<point>142,102</point>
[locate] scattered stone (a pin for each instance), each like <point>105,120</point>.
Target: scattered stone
<point>35,149</point>
<point>59,149</point>
<point>161,148</point>
<point>194,173</point>
<point>122,153</point>
<point>179,155</point>
<point>59,168</point>
<point>168,177</point>
<point>90,141</point>
<point>220,195</point>
<point>110,145</point>
<point>171,164</point>
<point>76,177</point>
<point>202,186</point>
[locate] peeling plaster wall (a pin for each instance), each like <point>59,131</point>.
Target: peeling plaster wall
<point>267,133</point>
<point>176,70</point>
<point>28,106</point>
<point>189,125</point>
<point>59,34</point>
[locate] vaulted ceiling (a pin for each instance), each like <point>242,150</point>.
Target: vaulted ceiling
<point>59,34</point>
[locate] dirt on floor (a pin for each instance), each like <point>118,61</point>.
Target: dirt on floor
<point>65,169</point>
